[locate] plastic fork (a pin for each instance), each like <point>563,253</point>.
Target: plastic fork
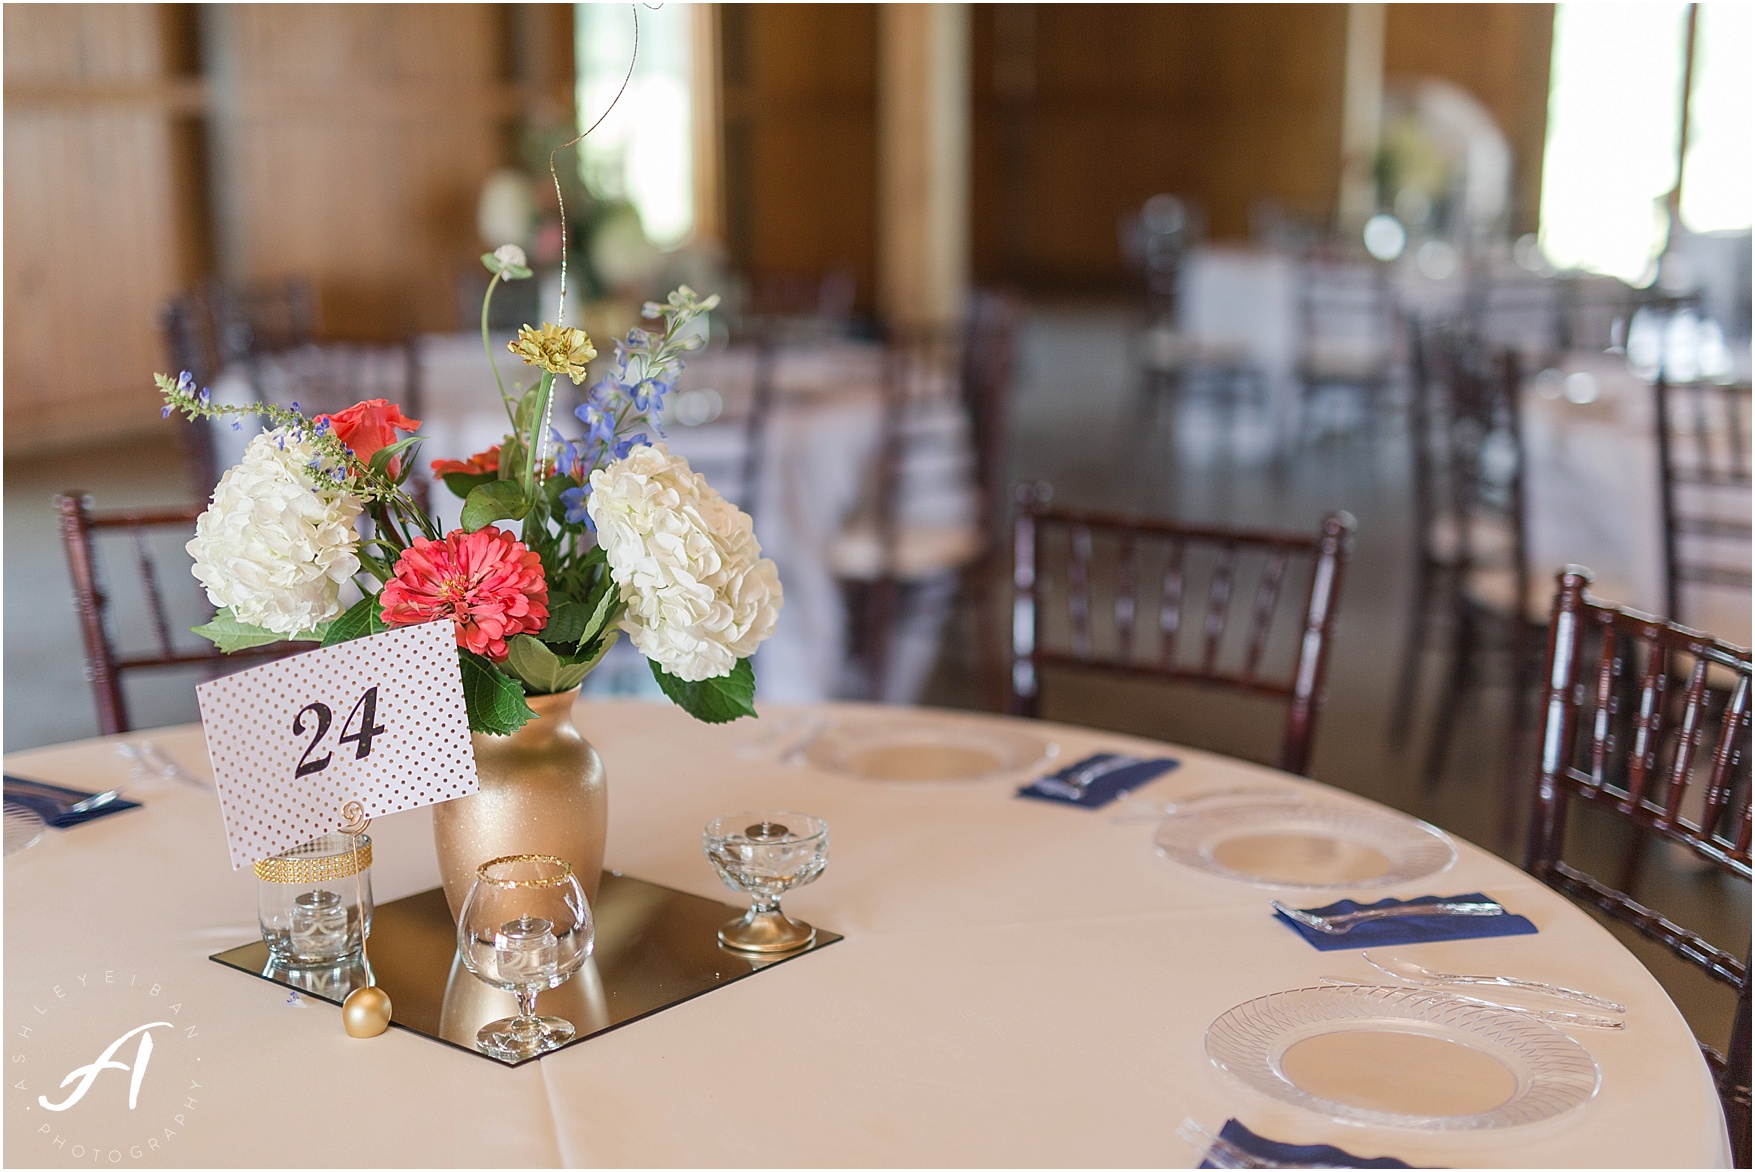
<point>1407,970</point>
<point>1343,922</point>
<point>1559,1017</point>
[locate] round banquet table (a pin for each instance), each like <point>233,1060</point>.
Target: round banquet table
<point>1020,983</point>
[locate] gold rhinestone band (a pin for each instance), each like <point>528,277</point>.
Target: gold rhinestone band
<point>293,869</point>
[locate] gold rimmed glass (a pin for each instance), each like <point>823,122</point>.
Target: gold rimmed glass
<point>314,902</point>
<point>525,927</point>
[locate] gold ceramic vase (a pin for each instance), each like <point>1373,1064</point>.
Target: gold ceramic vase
<point>542,792</point>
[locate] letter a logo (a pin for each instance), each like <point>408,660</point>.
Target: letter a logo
<point>88,1074</point>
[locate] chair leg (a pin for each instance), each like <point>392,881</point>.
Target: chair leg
<point>1401,715</point>
<point>880,630</point>
<point>1456,685</point>
<point>1511,782</point>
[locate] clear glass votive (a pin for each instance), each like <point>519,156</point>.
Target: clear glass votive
<point>315,901</point>
<point>766,852</point>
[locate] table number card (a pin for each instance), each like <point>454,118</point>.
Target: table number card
<point>379,721</point>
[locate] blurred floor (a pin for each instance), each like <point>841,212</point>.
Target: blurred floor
<point>1078,426</point>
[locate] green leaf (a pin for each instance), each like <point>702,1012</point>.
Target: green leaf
<point>374,566</point>
<point>715,701</point>
<point>608,608</point>
<point>512,459</point>
<point>229,633</point>
<point>495,701</point>
<point>492,502</point>
<point>358,621</point>
<point>537,664</point>
<point>507,272</point>
<point>379,464</point>
<point>566,623</point>
<point>462,484</point>
<point>526,413</point>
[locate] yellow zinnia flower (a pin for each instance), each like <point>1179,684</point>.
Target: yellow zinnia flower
<point>557,349</point>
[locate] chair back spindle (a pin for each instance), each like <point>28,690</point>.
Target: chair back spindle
<point>1243,588</point>
<point>1698,802</point>
<point>106,661</point>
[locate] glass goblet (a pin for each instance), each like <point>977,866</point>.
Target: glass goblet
<point>525,927</point>
<point>765,852</point>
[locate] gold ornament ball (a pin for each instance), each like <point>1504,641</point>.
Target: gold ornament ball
<point>366,1012</point>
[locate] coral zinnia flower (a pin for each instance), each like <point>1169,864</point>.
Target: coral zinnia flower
<point>557,349</point>
<point>487,582</point>
<point>476,465</point>
<point>366,427</point>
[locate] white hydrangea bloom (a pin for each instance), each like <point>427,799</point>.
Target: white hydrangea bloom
<point>699,593</point>
<point>274,545</point>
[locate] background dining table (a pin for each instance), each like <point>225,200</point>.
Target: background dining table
<point>1021,982</point>
<point>814,490</point>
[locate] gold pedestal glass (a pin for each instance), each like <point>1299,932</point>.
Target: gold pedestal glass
<point>525,927</point>
<point>765,852</point>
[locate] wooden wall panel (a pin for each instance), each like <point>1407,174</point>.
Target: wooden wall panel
<point>93,239</point>
<point>346,143</point>
<point>1500,53</point>
<point>800,112</point>
<point>351,144</point>
<point>1083,111</point>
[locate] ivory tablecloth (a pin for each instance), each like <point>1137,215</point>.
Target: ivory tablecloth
<point>1021,983</point>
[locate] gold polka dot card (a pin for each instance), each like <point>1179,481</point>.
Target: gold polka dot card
<point>379,721</point>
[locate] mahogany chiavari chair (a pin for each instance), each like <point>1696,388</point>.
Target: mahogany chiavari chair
<point>781,308</point>
<point>105,660</point>
<point>989,357</point>
<point>1704,486</point>
<point>1348,324</point>
<point>1483,532</point>
<point>892,562</point>
<point>1433,523</point>
<point>215,325</point>
<point>1633,729</point>
<point>1156,571</point>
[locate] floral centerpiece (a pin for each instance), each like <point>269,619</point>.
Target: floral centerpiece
<point>565,544</point>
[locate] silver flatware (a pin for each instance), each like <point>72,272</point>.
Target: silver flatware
<point>1343,922</point>
<point>1077,784</point>
<point>1407,970</point>
<point>1559,1017</point>
<point>1222,1153</point>
<point>148,760</point>
<point>815,728</point>
<point>95,801</point>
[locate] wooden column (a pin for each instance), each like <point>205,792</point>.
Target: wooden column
<point>923,162</point>
<point>1361,117</point>
<point>706,124</point>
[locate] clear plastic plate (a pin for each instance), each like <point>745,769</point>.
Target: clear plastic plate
<point>24,826</point>
<point>903,749</point>
<point>1303,844</point>
<point>1395,1057</point>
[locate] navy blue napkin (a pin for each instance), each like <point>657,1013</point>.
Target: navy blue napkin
<point>52,801</point>
<point>1237,1135</point>
<point>1408,929</point>
<point>1102,790</point>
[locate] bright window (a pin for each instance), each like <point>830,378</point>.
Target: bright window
<point>1717,184</point>
<point>642,152</point>
<point>1613,115</point>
